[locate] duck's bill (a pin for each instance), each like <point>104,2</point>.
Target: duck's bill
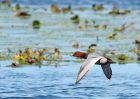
<point>86,66</point>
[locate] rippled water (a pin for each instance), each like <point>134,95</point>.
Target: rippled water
<point>56,83</point>
<point>33,82</point>
<point>135,4</point>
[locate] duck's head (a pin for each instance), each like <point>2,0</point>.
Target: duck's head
<point>79,54</point>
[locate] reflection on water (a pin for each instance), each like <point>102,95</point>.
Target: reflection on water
<point>56,83</point>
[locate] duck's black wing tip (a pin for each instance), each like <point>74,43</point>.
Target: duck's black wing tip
<point>107,70</point>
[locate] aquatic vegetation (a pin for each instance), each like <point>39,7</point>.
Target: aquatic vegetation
<point>122,59</point>
<point>36,57</point>
<point>100,26</point>
<point>56,57</point>
<point>97,7</point>
<point>137,52</point>
<point>28,56</point>
<point>120,29</point>
<point>84,25</point>
<point>75,19</point>
<point>36,24</point>
<point>131,26</point>
<point>112,36</point>
<point>82,8</point>
<point>90,27</point>
<point>116,11</point>
<point>2,56</point>
<point>5,3</point>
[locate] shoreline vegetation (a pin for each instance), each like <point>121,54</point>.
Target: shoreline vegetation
<point>39,56</point>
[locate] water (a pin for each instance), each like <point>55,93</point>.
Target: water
<point>121,3</point>
<point>58,83</point>
<point>49,82</point>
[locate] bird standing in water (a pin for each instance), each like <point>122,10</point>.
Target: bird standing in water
<point>91,59</point>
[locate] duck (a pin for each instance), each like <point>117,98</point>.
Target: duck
<point>56,57</point>
<point>116,11</point>
<point>66,9</point>
<point>17,7</point>
<point>21,14</point>
<point>97,7</point>
<point>90,60</point>
<point>120,28</point>
<point>55,9</point>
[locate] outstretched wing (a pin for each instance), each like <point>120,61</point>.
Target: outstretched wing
<point>86,66</point>
<point>107,70</point>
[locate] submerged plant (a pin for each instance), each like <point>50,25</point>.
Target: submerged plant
<point>75,19</point>
<point>36,24</point>
<point>122,59</point>
<point>112,36</point>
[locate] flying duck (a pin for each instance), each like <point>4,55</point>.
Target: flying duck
<point>91,59</point>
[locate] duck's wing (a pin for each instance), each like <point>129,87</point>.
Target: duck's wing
<point>86,66</point>
<point>107,70</point>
